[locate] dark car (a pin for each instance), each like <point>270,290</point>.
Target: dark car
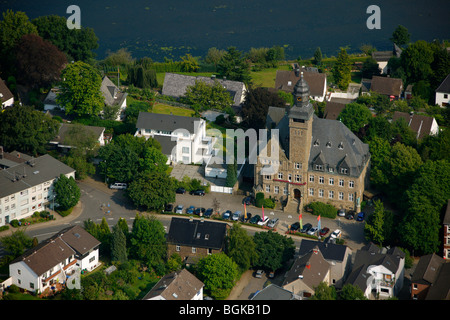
<point>227,215</point>
<point>349,216</point>
<point>199,211</point>
<point>324,231</point>
<point>180,191</point>
<point>295,226</point>
<point>168,208</point>
<point>255,219</point>
<point>247,201</point>
<point>208,213</point>
<point>197,192</point>
<point>360,216</point>
<point>306,228</point>
<point>244,219</point>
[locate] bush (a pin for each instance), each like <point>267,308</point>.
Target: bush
<point>259,200</point>
<point>15,223</point>
<point>269,203</point>
<point>4,228</point>
<point>323,209</point>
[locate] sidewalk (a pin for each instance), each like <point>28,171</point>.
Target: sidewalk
<point>58,220</point>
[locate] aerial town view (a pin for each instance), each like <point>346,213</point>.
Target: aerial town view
<point>251,156</point>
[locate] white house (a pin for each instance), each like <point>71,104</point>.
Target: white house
<point>178,285</point>
<point>55,261</point>
<point>183,139</point>
<point>6,97</point>
<point>27,187</point>
<point>114,97</point>
<point>442,94</point>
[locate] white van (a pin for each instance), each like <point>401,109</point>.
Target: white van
<point>118,185</point>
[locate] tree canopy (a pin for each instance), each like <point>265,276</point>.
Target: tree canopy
<point>273,250</point>
<point>67,192</point>
<point>341,70</point>
<point>233,66</point>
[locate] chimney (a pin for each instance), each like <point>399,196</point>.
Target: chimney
<point>297,72</point>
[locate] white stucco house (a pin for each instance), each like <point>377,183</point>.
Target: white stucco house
<point>442,93</point>
<point>56,261</point>
<point>6,96</point>
<point>183,139</point>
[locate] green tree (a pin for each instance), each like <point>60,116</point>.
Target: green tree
<point>324,292</point>
<point>174,263</point>
<point>370,68</point>
<point>148,242</point>
<point>118,163</point>
<point>351,292</point>
<point>355,116</point>
<point>118,245</point>
<point>233,66</point>
<point>342,70</point>
<point>318,57</point>
<point>231,175</point>
<point>374,228</point>
<point>273,249</point>
<point>121,57</point>
<point>207,96</point>
<point>25,129</point>
<point>416,61</point>
<point>189,63</point>
<point>67,192</point>
<point>152,190</point>
<point>80,90</point>
<point>214,55</point>
<point>154,161</point>
<point>400,36</point>
<point>16,243</point>
<point>241,248</point>
<point>219,274</point>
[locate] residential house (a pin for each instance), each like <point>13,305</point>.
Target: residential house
<point>61,141</point>
<point>114,97</point>
<point>274,292</point>
<point>391,87</point>
<point>6,96</point>
<point>307,272</point>
<point>334,107</point>
<point>27,187</point>
<point>382,57</point>
<point>285,80</point>
<point>420,124</point>
<point>318,159</point>
<point>378,272</point>
<point>193,239</point>
<point>50,100</point>
<point>442,93</point>
<point>431,279</point>
<point>446,233</point>
<point>338,257</point>
<point>50,264</point>
<point>183,139</point>
<point>11,159</point>
<point>176,286</point>
<point>175,85</point>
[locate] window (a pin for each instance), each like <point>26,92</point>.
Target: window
<point>341,196</point>
<point>344,170</point>
<point>276,189</point>
<point>280,175</point>
<point>311,191</point>
<point>351,184</point>
<point>18,271</point>
<point>298,178</point>
<point>297,165</point>
<point>194,250</point>
<point>319,167</point>
<point>267,177</point>
<point>341,182</point>
<point>290,177</point>
<point>321,193</point>
<point>445,96</point>
<point>350,197</point>
<point>185,150</point>
<point>267,188</point>
<point>31,285</point>
<point>321,180</point>
<point>186,160</point>
<point>177,248</point>
<point>331,181</point>
<point>311,178</point>
<point>331,194</point>
<point>285,191</point>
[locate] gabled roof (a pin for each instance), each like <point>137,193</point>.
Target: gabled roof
<point>175,85</point>
<point>197,233</point>
<point>387,86</point>
<point>6,94</point>
<point>78,239</point>
<point>286,80</point>
<point>440,290</point>
<point>333,109</point>
<point>420,124</point>
<point>274,292</point>
<point>178,285</point>
<point>427,269</point>
<point>330,251</point>
<point>166,122</point>
<point>444,87</point>
<point>111,93</point>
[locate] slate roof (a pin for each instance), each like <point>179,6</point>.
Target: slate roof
<point>427,269</point>
<point>333,109</point>
<point>111,93</point>
<point>274,292</point>
<point>447,214</point>
<point>197,233</point>
<point>178,285</point>
<point>166,122</point>
<point>167,144</point>
<point>39,170</point>
<point>444,87</point>
<point>420,124</point>
<point>330,251</point>
<point>78,239</point>
<point>7,94</point>
<point>12,159</point>
<point>175,85</point>
<point>315,80</point>
<point>440,290</point>
<point>387,86</point>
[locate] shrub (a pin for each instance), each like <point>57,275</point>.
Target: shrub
<point>15,223</point>
<point>269,203</point>
<point>259,200</point>
<point>323,209</point>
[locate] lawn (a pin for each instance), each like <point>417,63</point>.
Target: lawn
<point>166,109</point>
<point>266,77</point>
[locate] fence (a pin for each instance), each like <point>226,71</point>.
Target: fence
<point>221,189</point>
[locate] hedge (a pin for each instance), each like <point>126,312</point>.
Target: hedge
<point>259,199</point>
<point>323,209</point>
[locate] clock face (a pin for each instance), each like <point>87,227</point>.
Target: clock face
<point>299,99</point>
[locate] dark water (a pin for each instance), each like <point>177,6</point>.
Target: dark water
<point>172,28</point>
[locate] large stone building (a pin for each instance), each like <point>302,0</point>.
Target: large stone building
<point>318,159</point>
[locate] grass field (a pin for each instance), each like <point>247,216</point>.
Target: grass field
<point>166,109</point>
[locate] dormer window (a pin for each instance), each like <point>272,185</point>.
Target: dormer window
<point>316,143</point>
<point>328,144</point>
<point>319,167</point>
<point>341,146</point>
<point>344,170</point>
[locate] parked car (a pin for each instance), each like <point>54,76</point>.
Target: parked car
<point>273,222</point>
<point>295,226</point>
<point>179,209</point>
<point>341,213</point>
<point>264,221</point>
<point>360,216</point>
<point>306,228</point>
<point>199,211</point>
<point>168,207</point>
<point>324,231</point>
<point>180,191</point>
<point>236,215</point>
<point>255,219</point>
<point>208,213</point>
<point>349,216</point>
<point>336,234</point>
<point>197,192</point>
<point>249,216</point>
<point>226,215</point>
<point>313,230</point>
<point>118,185</point>
<point>259,273</point>
<point>272,274</point>
<point>190,210</point>
<point>247,201</point>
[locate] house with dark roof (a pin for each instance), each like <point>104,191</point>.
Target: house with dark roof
<point>62,142</point>
<point>175,85</point>
<point>183,139</point>
<point>274,292</point>
<point>114,97</point>
<point>11,159</point>
<point>6,96</point>
<point>27,186</point>
<point>308,159</point>
<point>446,233</point>
<point>177,286</point>
<point>422,125</point>
<point>382,57</point>
<point>55,261</point>
<point>193,239</point>
<point>285,80</point>
<point>333,109</point>
<point>391,87</point>
<point>431,279</point>
<point>442,93</point>
<point>378,271</point>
